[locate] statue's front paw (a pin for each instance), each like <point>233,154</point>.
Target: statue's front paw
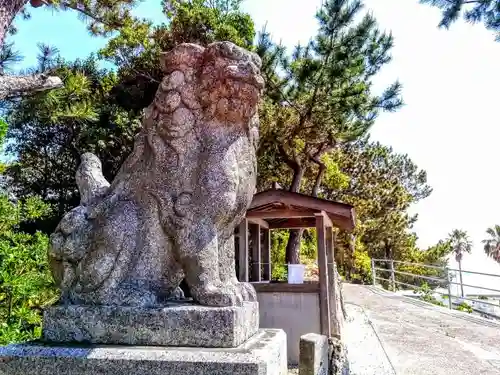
<point>216,296</point>
<point>176,295</point>
<point>247,291</point>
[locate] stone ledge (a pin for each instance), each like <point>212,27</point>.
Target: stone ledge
<point>179,324</point>
<point>263,354</point>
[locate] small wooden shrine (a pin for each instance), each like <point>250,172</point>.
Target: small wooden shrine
<point>280,209</point>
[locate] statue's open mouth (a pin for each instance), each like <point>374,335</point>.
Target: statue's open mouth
<point>245,72</point>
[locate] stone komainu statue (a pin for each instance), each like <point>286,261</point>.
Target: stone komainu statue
<point>172,208</point>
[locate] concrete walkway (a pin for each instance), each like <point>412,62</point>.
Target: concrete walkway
<point>420,338</point>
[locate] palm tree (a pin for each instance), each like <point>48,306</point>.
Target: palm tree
<point>492,243</point>
<point>460,243</point>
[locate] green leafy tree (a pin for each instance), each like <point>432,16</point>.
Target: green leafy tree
<point>26,284</point>
<point>136,52</point>
<point>461,244</point>
<point>323,95</point>
<point>435,255</point>
<point>382,186</point>
<point>492,242</point>
<point>48,132</point>
<point>103,18</point>
<point>473,11</point>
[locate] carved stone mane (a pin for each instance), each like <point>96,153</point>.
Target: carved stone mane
<point>171,210</point>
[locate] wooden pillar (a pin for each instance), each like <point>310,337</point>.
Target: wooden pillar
<point>256,253</point>
<point>332,283</point>
<point>324,299</point>
<point>243,251</point>
<point>266,254</point>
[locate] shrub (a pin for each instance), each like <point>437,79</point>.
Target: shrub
<point>362,267</point>
<point>425,293</point>
<point>26,284</point>
<point>465,307</point>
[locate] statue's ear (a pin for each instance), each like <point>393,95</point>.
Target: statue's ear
<point>182,57</point>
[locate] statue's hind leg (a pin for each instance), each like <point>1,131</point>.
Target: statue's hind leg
<point>104,275</point>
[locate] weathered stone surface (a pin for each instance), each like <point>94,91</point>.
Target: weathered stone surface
<point>313,355</point>
<point>176,325</point>
<point>338,319</point>
<point>264,354</point>
<point>171,210</point>
<point>338,361</point>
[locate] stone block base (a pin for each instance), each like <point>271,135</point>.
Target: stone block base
<point>263,354</point>
<point>313,355</point>
<point>178,324</point>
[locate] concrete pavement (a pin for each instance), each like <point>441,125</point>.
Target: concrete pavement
<point>423,339</point>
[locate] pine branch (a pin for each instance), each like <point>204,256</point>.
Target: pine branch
<point>291,162</point>
<point>316,159</point>
<point>116,24</point>
<point>130,65</point>
<point>14,86</point>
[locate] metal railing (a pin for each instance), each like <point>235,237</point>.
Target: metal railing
<point>439,277</point>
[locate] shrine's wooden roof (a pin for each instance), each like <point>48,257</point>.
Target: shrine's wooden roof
<point>280,209</point>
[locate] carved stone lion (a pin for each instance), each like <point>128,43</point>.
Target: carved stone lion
<point>171,210</point>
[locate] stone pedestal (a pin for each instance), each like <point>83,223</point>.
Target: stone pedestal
<point>177,324</point>
<point>263,354</point>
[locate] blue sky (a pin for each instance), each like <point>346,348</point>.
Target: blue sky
<point>448,125</point>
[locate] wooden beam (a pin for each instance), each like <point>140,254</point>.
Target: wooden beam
<point>281,214</point>
<point>328,222</point>
<point>286,288</point>
<point>243,251</point>
<point>266,254</point>
<point>261,222</point>
<point>294,223</point>
<point>324,299</point>
<point>256,254</point>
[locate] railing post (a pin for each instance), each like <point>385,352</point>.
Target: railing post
<point>393,277</point>
<point>373,272</point>
<point>449,288</point>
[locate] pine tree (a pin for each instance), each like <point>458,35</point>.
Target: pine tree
<point>104,17</point>
<point>473,11</point>
<point>324,95</point>
<point>382,186</point>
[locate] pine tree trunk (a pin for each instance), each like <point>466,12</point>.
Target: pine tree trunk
<point>8,11</point>
<point>292,255</point>
<point>293,245</point>
<point>298,174</point>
